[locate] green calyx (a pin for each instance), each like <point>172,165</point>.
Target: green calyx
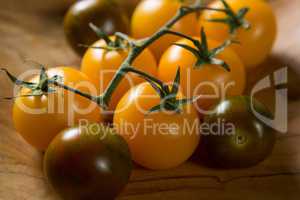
<point>37,89</point>
<point>168,94</point>
<point>233,20</point>
<point>205,55</point>
<point>119,43</point>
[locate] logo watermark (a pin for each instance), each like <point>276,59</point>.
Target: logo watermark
<point>67,103</point>
<point>149,127</point>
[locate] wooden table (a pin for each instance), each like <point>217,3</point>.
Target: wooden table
<point>26,33</point>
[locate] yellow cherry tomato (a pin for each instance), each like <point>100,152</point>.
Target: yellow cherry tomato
<point>257,41</point>
<point>40,118</point>
<point>158,140</point>
<point>101,65</point>
<point>210,82</point>
<point>150,15</point>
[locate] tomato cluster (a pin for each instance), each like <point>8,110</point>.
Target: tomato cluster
<point>160,100</point>
<point>256,41</point>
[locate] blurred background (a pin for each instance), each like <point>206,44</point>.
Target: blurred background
<point>47,5</point>
<point>37,5</point>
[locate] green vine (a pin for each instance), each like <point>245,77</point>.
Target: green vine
<point>232,19</point>
<point>202,52</point>
<point>138,46</point>
<point>122,41</point>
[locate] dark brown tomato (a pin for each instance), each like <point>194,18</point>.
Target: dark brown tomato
<point>106,14</point>
<point>237,138</point>
<point>129,5</point>
<point>88,163</point>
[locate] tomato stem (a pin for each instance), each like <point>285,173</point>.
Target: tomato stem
<point>136,47</point>
<point>85,95</point>
<point>37,89</point>
<point>203,54</point>
<point>125,37</point>
<point>144,75</point>
<point>232,19</point>
<point>101,34</point>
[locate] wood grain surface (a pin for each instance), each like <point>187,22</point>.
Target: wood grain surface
<point>32,34</point>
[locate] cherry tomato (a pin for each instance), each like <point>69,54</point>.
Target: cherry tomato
<point>40,118</point>
<point>157,140</point>
<point>106,14</point>
<point>88,162</point>
<point>101,65</point>
<point>213,82</point>
<point>255,42</point>
<point>150,15</point>
<point>245,140</point>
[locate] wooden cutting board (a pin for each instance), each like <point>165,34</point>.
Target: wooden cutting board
<point>27,33</point>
